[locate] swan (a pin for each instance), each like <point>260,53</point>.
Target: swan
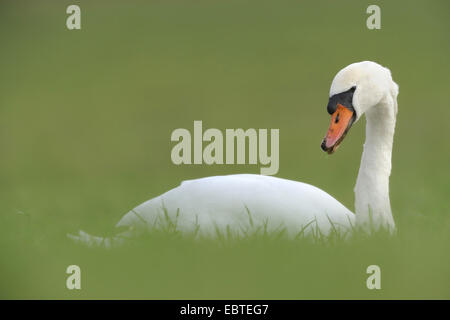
<point>238,202</point>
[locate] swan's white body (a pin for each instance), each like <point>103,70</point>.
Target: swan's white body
<point>240,203</point>
<point>237,202</point>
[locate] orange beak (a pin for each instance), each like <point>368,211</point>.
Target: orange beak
<point>341,121</point>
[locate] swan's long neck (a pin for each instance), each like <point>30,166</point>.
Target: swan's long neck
<point>372,204</point>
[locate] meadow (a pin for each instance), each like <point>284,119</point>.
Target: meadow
<point>85,123</point>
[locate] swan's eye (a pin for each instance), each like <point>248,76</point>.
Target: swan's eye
<point>337,118</point>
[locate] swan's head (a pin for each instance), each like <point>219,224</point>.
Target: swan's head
<point>355,90</point>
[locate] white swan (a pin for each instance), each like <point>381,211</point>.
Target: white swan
<point>238,202</point>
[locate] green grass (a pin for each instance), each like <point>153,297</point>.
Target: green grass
<point>167,264</point>
<point>85,124</point>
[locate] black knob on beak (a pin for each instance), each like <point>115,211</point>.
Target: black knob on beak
<point>323,146</point>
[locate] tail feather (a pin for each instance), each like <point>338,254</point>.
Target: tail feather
<point>86,239</point>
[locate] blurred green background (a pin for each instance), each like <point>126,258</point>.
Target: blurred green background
<point>86,118</point>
